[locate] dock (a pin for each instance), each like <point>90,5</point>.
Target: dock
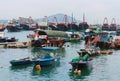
<point>15,44</point>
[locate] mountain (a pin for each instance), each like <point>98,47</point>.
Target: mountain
<point>60,18</point>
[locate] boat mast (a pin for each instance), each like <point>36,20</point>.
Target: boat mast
<point>83,21</point>
<point>71,22</point>
<point>72,17</point>
<point>83,17</point>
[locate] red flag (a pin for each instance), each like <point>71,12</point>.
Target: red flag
<point>96,39</point>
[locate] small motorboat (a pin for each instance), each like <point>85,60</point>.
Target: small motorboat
<point>12,39</point>
<point>4,39</point>
<point>2,27</point>
<point>78,62</point>
<point>91,52</point>
<point>106,51</point>
<point>48,60</point>
<point>23,61</point>
<point>45,60</point>
<point>49,48</point>
<point>13,26</point>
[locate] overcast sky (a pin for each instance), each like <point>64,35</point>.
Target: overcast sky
<point>95,10</point>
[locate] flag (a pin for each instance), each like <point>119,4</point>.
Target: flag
<point>96,39</point>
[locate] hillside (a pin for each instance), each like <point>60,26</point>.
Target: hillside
<point>60,18</point>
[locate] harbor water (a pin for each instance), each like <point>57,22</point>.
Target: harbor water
<point>103,68</point>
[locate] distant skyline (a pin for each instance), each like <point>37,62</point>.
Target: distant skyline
<point>95,10</point>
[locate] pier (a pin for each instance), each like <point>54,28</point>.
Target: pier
<point>15,44</point>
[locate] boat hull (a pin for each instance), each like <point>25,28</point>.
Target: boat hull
<point>50,48</point>
<point>43,61</point>
<point>20,62</point>
<point>13,29</point>
<point>47,61</point>
<point>81,64</point>
<point>2,29</point>
<point>91,54</point>
<point>5,39</point>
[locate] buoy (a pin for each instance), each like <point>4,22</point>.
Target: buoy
<point>38,67</point>
<point>77,71</point>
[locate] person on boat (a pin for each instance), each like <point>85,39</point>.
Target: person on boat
<point>111,39</point>
<point>36,35</point>
<point>84,55</point>
<point>52,55</point>
<point>82,52</point>
<point>86,39</point>
<point>30,57</point>
<point>107,42</point>
<point>96,49</point>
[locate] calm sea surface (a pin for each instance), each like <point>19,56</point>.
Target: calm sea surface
<point>104,67</point>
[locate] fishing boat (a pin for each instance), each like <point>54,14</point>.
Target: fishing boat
<point>105,26</point>
<point>62,26</point>
<point>106,51</point>
<point>91,52</point>
<point>49,48</point>
<point>27,23</point>
<point>48,60</point>
<point>2,27</point>
<point>83,26</point>
<point>105,40</point>
<point>113,26</point>
<point>74,37</point>
<point>23,61</point>
<point>6,39</point>
<point>117,43</point>
<point>11,27</point>
<point>73,26</point>
<point>43,60</point>
<point>81,62</point>
<point>48,38</point>
<point>118,31</point>
<point>52,25</point>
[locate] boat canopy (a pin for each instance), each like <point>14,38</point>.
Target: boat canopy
<point>52,33</point>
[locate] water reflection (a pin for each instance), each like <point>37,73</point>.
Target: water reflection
<point>46,70</point>
<point>37,51</point>
<point>20,67</point>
